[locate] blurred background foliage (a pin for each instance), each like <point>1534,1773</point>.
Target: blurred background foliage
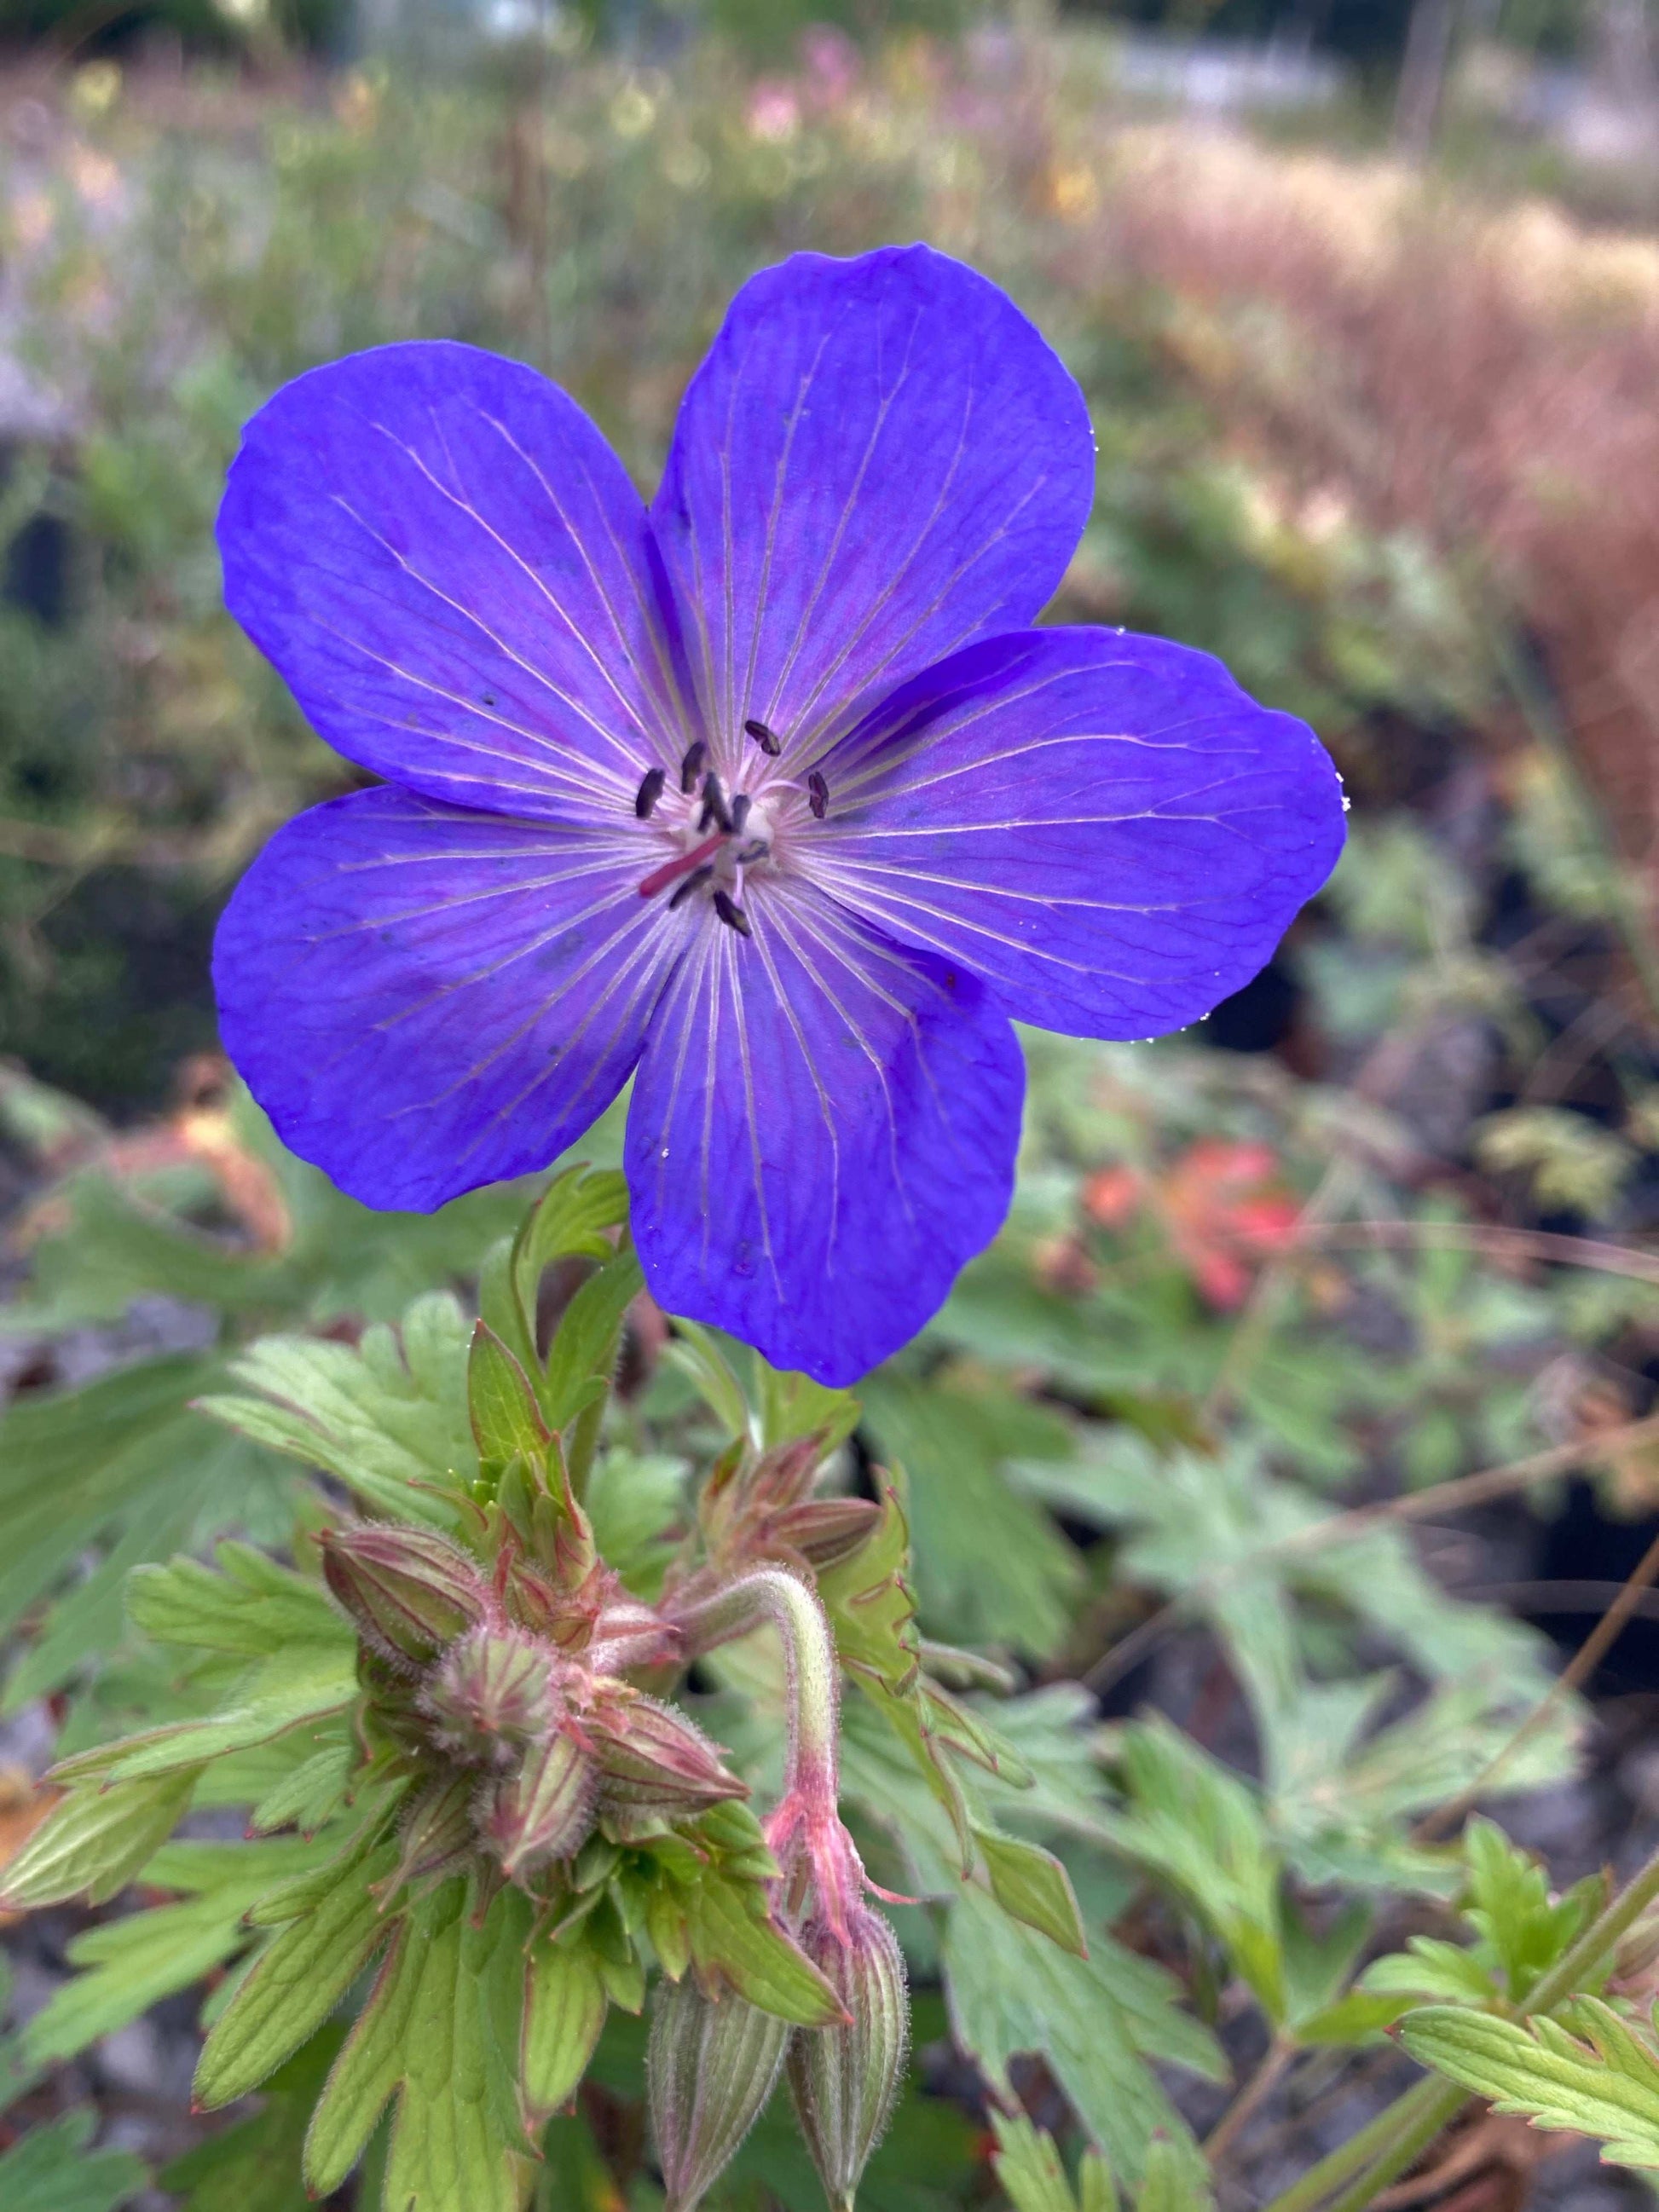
<point>1381,433</point>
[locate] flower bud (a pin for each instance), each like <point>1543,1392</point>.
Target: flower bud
<point>654,1761</point>
<point>409,1591</point>
<point>844,2080</point>
<point>543,1811</point>
<point>492,1690</point>
<point>710,2068</point>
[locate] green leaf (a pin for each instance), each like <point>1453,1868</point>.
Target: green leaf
<point>1027,2165</point>
<point>52,2170</point>
<point>506,1423</point>
<point>250,1605</point>
<point>440,2032</point>
<point>300,1684</point>
<point>254,2166</point>
<point>1033,1886</point>
<point>1199,1829</point>
<point>133,1962</point>
<point>391,1422</point>
<point>73,1461</point>
<point>733,1936</point>
<point>697,1353</point>
<point>1606,2084</point>
<point>1175,2181</point>
<point>296,1981</point>
<point>95,1841</point>
<point>582,1356</point>
<point>1510,1906</point>
<point>565,2006</point>
<point>1098,2021</point>
<point>991,1567</point>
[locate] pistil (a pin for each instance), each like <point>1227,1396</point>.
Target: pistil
<point>671,870</point>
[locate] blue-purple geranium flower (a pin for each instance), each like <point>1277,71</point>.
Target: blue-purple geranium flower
<point>766,794</point>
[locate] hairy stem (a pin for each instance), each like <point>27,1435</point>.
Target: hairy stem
<point>812,1679</point>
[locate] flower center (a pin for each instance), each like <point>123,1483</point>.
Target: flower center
<point>718,841</point>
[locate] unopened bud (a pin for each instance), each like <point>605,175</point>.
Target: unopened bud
<point>710,2068</point>
<point>543,1811</point>
<point>825,1530</point>
<point>654,1760</point>
<point>492,1690</point>
<point>409,1591</point>
<point>844,2080</point>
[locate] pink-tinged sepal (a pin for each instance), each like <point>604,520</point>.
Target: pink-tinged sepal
<point>544,1811</point>
<point>408,1592</point>
<point>654,1762</point>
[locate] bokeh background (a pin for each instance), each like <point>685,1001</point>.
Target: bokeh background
<point>1364,298</point>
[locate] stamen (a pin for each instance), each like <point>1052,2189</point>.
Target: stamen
<point>769,740</point>
<point>818,795</point>
<point>739,810</point>
<point>731,914</point>
<point>691,766</point>
<point>650,791</point>
<point>682,865</point>
<point>694,881</point>
<point>713,804</point>
<point>756,849</point>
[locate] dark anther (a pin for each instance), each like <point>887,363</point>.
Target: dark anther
<point>769,740</point>
<point>650,791</point>
<point>756,849</point>
<point>691,766</point>
<point>818,795</point>
<point>731,914</point>
<point>713,815</point>
<point>739,810</point>
<point>694,881</point>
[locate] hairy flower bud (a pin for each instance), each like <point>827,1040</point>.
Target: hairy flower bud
<point>543,1811</point>
<point>710,2068</point>
<point>409,1591</point>
<point>844,2080</point>
<point>655,1762</point>
<point>492,1692</point>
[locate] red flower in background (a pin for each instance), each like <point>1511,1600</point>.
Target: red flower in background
<point>1223,1205</point>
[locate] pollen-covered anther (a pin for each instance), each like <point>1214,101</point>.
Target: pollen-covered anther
<point>818,795</point>
<point>769,740</point>
<point>738,811</point>
<point>713,815</point>
<point>691,766</point>
<point>732,914</point>
<point>650,791</point>
<point>694,882</point>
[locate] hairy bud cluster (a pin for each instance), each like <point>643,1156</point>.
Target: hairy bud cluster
<point>502,1698</point>
<point>714,2064</point>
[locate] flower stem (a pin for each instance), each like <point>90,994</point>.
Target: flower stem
<point>1397,2138</point>
<point>811,1674</point>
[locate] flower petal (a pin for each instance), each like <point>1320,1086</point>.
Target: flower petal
<point>423,999</point>
<point>879,460</point>
<point>823,1131</point>
<point>449,566</point>
<point>1104,828</point>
